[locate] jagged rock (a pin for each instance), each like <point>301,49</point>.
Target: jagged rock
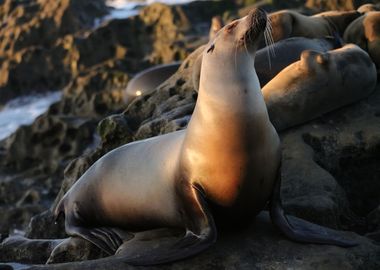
<point>30,60</point>
<point>26,250</point>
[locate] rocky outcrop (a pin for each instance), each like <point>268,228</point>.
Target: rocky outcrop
<point>34,34</point>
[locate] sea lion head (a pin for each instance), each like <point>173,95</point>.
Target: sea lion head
<point>336,67</point>
<point>240,35</point>
<point>312,60</point>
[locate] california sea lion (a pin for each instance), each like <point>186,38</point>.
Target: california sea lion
<point>147,80</point>
<point>319,83</point>
<point>368,7</point>
<point>227,159</point>
<point>269,61</point>
<point>288,23</point>
<point>365,32</point>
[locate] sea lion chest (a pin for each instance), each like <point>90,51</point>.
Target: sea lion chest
<point>234,160</point>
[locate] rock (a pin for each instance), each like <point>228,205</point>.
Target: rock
<point>259,246</point>
<point>30,30</point>
<point>74,249</point>
<point>26,250</point>
<point>51,138</point>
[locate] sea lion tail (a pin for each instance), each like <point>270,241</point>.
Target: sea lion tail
<point>300,230</point>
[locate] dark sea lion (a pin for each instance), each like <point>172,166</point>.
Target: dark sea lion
<point>269,61</point>
<point>227,160</point>
<point>365,32</point>
<point>288,23</point>
<point>148,80</point>
<point>319,83</point>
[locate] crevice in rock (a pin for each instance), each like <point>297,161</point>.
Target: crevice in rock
<point>355,166</point>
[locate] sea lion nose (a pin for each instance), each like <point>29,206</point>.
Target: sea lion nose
<point>258,17</point>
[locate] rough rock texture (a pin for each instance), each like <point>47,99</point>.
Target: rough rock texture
<point>30,31</point>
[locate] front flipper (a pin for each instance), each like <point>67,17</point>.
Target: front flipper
<point>107,239</point>
<point>299,230</point>
<point>168,245</point>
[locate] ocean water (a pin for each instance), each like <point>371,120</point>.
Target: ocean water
<point>23,111</point>
<point>127,8</point>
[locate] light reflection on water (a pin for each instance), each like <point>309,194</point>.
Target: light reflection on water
<point>23,111</point>
<point>127,8</point>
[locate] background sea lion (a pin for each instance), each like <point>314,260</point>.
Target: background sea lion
<point>365,32</point>
<point>368,7</point>
<point>319,83</point>
<point>288,23</point>
<point>229,156</point>
<point>147,80</point>
<point>286,52</point>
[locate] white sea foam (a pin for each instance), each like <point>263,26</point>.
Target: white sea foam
<point>23,111</point>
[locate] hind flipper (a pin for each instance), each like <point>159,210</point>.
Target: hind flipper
<point>299,230</point>
<point>168,245</point>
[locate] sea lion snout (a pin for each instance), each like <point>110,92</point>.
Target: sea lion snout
<point>256,24</point>
<point>257,19</point>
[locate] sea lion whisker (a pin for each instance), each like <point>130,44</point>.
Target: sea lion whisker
<point>268,33</point>
<point>268,53</point>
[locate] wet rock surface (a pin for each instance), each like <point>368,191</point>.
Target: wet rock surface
<point>330,165</point>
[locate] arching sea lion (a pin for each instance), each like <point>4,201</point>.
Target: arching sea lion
<point>365,32</point>
<point>319,83</point>
<point>227,159</point>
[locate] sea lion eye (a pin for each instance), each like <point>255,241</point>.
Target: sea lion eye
<point>211,49</point>
<point>322,59</point>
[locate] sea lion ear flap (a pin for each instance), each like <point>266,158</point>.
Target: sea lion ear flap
<point>322,58</point>
<point>216,24</point>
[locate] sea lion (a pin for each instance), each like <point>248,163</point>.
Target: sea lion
<point>368,7</point>
<point>288,23</point>
<point>319,83</point>
<point>147,80</point>
<point>365,32</point>
<point>228,159</point>
<point>269,61</point>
